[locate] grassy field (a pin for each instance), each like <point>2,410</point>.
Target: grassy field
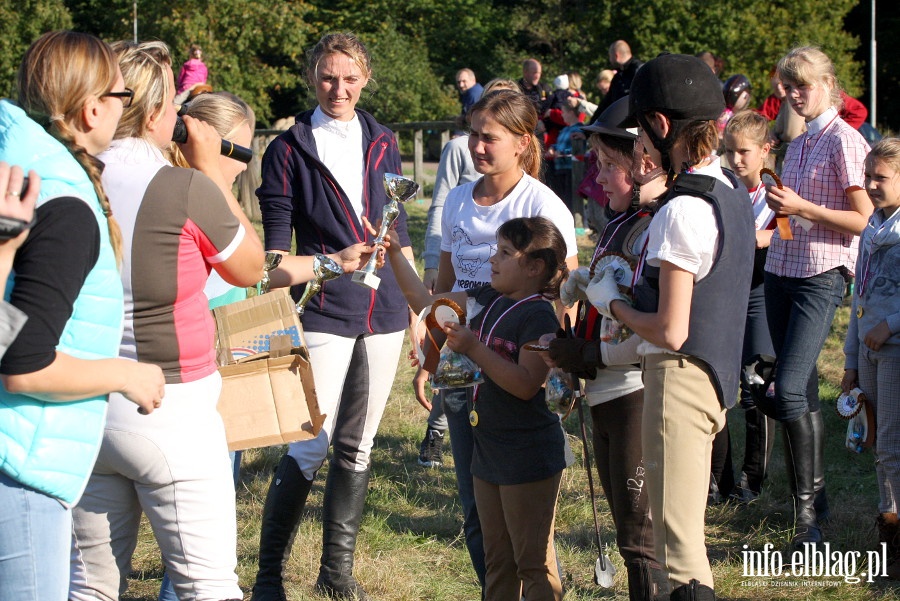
<point>411,545</point>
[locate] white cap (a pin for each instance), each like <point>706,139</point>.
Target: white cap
<point>561,82</point>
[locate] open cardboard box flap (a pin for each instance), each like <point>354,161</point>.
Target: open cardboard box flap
<point>268,392</point>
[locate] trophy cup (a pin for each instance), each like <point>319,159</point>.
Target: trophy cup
<point>399,189</point>
<point>272,261</point>
<point>324,268</point>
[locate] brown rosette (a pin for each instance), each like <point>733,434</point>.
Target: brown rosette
<point>435,337</point>
<point>770,178</point>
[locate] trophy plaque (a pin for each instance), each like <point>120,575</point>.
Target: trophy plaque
<point>325,268</point>
<point>399,189</point>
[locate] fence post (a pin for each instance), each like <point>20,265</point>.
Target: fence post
<point>418,160</point>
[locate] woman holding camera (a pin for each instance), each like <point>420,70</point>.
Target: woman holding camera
<point>173,465</point>
<point>57,374</point>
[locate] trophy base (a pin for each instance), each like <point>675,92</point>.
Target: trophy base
<point>364,278</point>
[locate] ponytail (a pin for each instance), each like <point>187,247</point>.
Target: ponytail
<point>59,72</point>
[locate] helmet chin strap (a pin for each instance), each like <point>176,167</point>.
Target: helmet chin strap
<point>663,145</point>
<point>638,177</point>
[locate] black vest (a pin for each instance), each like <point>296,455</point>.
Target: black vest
<point>719,300</point>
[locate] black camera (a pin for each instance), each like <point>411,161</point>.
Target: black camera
<point>228,149</point>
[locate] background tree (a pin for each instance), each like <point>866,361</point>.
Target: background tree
<point>256,47</point>
<point>21,22</point>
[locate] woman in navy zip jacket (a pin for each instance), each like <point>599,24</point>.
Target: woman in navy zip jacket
<point>319,179</point>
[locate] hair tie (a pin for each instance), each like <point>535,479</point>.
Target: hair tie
<point>108,212</point>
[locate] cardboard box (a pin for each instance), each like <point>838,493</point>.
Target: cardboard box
<point>268,392</point>
<point>245,328</point>
<point>267,401</point>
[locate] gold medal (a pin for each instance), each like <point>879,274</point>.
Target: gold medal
<point>859,311</point>
<point>473,418</point>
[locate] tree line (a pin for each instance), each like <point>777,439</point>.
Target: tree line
<point>256,48</point>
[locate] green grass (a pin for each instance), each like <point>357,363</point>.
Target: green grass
<point>411,546</point>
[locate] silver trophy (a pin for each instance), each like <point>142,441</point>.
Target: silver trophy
<point>400,189</point>
<point>324,269</point>
<point>272,261</point>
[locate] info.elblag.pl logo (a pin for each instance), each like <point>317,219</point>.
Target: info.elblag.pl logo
<point>814,561</point>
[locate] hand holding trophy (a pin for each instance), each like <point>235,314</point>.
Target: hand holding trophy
<point>325,268</point>
<point>400,189</point>
<point>273,260</point>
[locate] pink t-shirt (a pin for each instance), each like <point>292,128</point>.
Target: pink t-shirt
<point>193,71</point>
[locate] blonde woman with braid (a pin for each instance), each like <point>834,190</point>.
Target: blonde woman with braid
<point>177,225</point>
<point>57,374</point>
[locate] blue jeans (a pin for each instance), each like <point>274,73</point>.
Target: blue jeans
<point>35,542</point>
<point>462,445</point>
<point>757,340</point>
<point>166,589</point>
<point>800,312</point>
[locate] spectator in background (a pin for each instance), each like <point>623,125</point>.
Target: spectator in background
<point>577,98</point>
<point>604,79</point>
<point>626,65</point>
<point>560,157</point>
<point>193,71</point>
<point>709,59</point>
<point>552,116</point>
<point>470,90</point>
<point>530,84</point>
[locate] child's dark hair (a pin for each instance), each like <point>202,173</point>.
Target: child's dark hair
<point>538,238</point>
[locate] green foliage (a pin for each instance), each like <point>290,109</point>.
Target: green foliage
<point>21,22</point>
<point>256,47</point>
<point>405,88</point>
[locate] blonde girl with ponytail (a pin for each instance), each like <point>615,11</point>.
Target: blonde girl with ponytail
<point>177,225</point>
<point>57,374</point>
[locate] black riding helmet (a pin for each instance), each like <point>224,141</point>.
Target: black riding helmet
<point>609,123</point>
<point>734,87</point>
<point>681,87</point>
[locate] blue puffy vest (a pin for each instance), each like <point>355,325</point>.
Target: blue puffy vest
<point>49,446</point>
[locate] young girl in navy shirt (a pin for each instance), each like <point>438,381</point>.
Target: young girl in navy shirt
<point>519,446</point>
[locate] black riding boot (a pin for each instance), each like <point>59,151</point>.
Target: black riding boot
<point>693,591</point>
<point>345,497</point>
<point>646,581</point>
<point>821,501</point>
<point>799,451</point>
<point>759,441</point>
<point>281,517</point>
<point>721,480</point>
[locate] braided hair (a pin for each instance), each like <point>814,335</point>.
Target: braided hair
<point>59,72</point>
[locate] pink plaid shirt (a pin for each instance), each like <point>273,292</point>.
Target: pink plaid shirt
<point>819,166</point>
